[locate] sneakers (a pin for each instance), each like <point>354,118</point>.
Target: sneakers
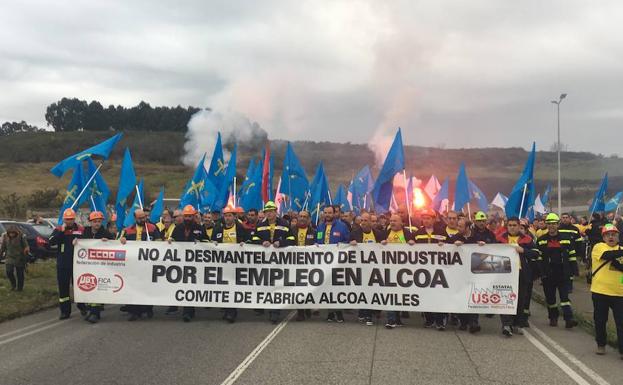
<point>507,331</point>
<point>331,317</point>
<point>399,323</point>
<point>570,323</point>
<point>441,327</point>
<point>553,322</point>
<point>518,330</point>
<point>601,350</point>
<point>390,325</point>
<point>474,328</point>
<point>64,316</point>
<point>339,317</point>
<point>428,324</point>
<point>369,322</point>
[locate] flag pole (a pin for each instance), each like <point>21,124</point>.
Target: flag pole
<point>93,203</point>
<point>404,175</point>
<point>317,213</point>
<point>469,213</point>
<point>140,203</point>
<point>523,198</point>
<point>86,185</point>
<point>234,191</point>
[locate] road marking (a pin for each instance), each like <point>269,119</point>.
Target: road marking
<point>554,358</point>
<point>256,352</point>
<point>588,371</point>
<point>28,327</point>
<point>31,332</point>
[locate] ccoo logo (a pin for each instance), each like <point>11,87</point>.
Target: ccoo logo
<point>87,282</point>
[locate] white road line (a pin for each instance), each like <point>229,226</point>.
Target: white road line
<point>588,371</point>
<point>31,333</point>
<point>28,327</point>
<point>554,358</point>
<point>256,352</point>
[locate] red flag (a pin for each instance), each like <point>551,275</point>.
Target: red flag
<point>266,175</point>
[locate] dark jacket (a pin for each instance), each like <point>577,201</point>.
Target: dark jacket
<point>556,250</point>
<point>310,236</point>
<point>192,233</point>
<point>100,234</point>
<point>409,236</point>
<point>485,235</point>
<point>530,255</point>
<point>438,235</point>
<point>242,234</point>
<point>65,242</point>
<point>357,234</point>
<point>281,233</point>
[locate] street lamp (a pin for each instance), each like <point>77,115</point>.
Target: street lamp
<point>557,103</point>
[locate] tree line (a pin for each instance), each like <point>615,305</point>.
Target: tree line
<point>73,114</point>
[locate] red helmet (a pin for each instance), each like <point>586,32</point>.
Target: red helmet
<point>428,212</point>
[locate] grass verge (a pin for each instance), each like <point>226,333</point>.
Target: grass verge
<point>40,291</point>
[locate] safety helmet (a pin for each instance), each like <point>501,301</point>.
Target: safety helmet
<point>69,214</point>
<point>229,210</point>
<point>188,210</point>
<point>270,205</point>
<point>428,213</point>
<point>96,215</point>
<point>609,228</point>
<point>552,218</point>
<point>480,216</point>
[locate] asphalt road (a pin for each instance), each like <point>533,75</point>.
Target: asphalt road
<point>39,349</point>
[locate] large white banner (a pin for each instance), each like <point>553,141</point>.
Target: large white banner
<point>429,278</point>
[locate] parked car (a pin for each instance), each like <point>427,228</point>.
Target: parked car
<point>38,243</point>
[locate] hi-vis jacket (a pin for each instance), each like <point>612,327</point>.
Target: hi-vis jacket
<point>556,250</point>
<point>281,233</point>
<point>64,240</point>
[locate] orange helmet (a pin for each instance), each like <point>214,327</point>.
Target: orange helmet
<point>96,215</point>
<point>229,210</point>
<point>429,212</point>
<point>69,214</point>
<point>188,210</point>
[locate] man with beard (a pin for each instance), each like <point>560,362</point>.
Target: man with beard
<point>304,235</point>
<point>141,230</point>
<point>229,231</point>
<point>95,231</point>
<point>188,231</point>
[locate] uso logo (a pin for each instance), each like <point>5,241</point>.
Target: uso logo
<point>87,282</point>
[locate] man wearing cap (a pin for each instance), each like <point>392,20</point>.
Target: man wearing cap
<point>332,231</point>
<point>229,231</point>
<point>141,230</point>
<point>527,253</point>
<point>364,233</point>
<point>188,231</point>
<point>431,232</point>
<point>607,286</point>
<point>480,232</point>
<point>555,249</point>
<point>64,236</point>
<point>95,231</point>
<point>276,232</point>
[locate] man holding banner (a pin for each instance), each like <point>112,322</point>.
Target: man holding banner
<point>141,230</point>
<point>188,231</point>
<point>64,236</point>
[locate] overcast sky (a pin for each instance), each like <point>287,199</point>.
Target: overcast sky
<point>454,73</point>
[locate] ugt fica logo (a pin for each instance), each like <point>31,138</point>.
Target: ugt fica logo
<point>87,282</point>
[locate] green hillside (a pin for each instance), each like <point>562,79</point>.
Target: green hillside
<point>25,160</point>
